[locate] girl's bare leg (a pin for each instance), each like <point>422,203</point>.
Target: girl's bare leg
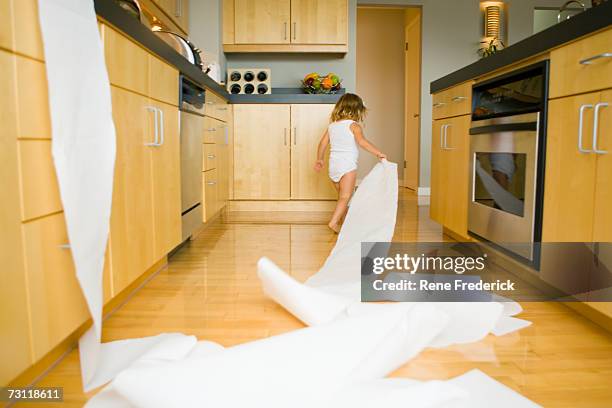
<point>346,186</point>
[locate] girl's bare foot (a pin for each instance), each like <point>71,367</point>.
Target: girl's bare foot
<point>334,227</point>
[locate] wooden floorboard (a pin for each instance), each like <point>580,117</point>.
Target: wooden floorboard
<point>210,289</point>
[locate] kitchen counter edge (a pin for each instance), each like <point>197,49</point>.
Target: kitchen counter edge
<point>590,21</point>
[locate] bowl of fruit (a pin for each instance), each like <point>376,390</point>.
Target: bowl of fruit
<point>315,83</point>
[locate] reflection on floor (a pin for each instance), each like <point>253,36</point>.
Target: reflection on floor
<point>210,289</point>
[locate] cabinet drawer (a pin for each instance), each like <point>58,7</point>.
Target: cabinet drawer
<point>127,63</point>
<point>209,155</point>
<point>454,101</point>
<point>212,130</point>
<point>39,190</point>
<point>33,115</point>
<point>210,189</point>
<point>582,66</point>
<point>163,85</point>
<point>56,302</point>
<point>216,107</point>
<point>28,38</point>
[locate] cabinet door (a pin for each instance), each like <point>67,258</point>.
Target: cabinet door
<point>308,123</point>
<point>602,228</point>
<point>223,165</point>
<point>261,152</point>
<point>132,228</point>
<point>166,177</point>
<point>163,82</point>
<point>569,182</point>
<point>439,172</point>
<point>319,21</point>
<point>211,196</point>
<point>457,178</point>
<point>262,21</point>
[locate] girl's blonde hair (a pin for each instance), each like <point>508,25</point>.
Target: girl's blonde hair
<point>349,106</point>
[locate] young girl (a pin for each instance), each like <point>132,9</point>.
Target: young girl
<point>345,135</point>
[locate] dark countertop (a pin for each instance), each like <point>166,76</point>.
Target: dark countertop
<point>116,16</point>
<point>580,25</point>
<point>286,95</point>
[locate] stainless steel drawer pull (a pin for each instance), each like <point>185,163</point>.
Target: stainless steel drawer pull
<point>580,126</point>
<point>294,31</point>
<point>442,136</point>
<point>64,246</point>
<point>222,109</point>
<point>211,156</point>
<point>596,127</point>
<point>285,135</point>
<point>590,60</point>
<point>295,135</point>
<point>211,183</point>
<point>446,138</point>
<point>459,98</point>
<point>210,130</point>
<point>285,30</point>
<point>438,104</point>
<point>178,9</point>
<point>209,102</point>
<point>161,127</point>
<point>155,111</point>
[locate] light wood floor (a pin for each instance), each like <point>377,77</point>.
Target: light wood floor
<point>210,289</point>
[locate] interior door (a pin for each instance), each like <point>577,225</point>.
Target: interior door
<point>439,172</point>
<point>308,123</point>
<point>602,228</point>
<point>319,21</point>
<point>413,103</point>
<point>457,179</point>
<point>262,21</point>
<point>570,174</point>
<point>261,152</point>
<point>166,180</point>
<point>132,222</point>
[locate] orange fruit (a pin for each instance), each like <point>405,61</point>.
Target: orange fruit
<point>327,83</point>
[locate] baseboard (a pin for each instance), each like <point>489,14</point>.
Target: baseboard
<point>282,205</point>
<point>424,191</point>
<point>40,368</point>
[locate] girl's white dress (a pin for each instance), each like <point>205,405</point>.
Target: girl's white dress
<point>344,151</point>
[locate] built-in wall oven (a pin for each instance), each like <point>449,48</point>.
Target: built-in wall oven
<point>192,133</point>
<point>507,149</point>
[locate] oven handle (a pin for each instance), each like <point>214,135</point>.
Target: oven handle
<point>504,127</point>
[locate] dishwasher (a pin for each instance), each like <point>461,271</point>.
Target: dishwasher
<point>192,133</point>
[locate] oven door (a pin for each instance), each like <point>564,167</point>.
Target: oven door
<point>502,197</point>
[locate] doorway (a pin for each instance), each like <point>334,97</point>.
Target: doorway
<point>389,81</point>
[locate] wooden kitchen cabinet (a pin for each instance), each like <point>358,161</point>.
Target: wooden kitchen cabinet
<point>6,25</point>
<point>163,82</point>
<point>602,228</point>
<point>132,228</point>
<point>223,153</point>
<point>126,62</point>
<point>261,152</point>
<point>210,188</point>
<point>166,178</point>
<point>454,101</point>
<point>319,21</point>
<point>582,66</point>
<point>308,123</point>
<point>177,11</point>
<point>285,26</point>
<point>450,173</point>
<point>262,21</point>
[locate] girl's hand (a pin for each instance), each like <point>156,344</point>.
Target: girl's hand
<point>381,156</point>
<point>318,165</point>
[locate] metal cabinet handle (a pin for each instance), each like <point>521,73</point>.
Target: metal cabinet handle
<point>446,138</point>
<point>156,126</point>
<point>211,156</point>
<point>295,136</point>
<point>442,128</point>
<point>64,246</point>
<point>210,130</point>
<point>178,8</point>
<point>285,30</point>
<point>161,127</point>
<point>222,109</point>
<point>590,60</point>
<point>209,102</point>
<point>294,30</point>
<point>596,127</point>
<point>285,135</point>
<point>580,126</point>
<point>438,104</point>
<point>459,98</point>
<point>226,135</point>
<point>211,183</point>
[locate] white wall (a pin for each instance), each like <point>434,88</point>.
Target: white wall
<point>205,28</point>
<point>451,35</point>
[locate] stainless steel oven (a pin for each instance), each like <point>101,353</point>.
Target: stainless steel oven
<point>507,138</point>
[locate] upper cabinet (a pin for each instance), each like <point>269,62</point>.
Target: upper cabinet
<point>176,10</point>
<point>285,26</point>
<point>262,21</point>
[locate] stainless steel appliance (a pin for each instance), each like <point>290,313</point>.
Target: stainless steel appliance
<point>507,145</point>
<point>192,98</point>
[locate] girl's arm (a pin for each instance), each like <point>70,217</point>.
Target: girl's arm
<point>364,143</point>
<point>323,143</point>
